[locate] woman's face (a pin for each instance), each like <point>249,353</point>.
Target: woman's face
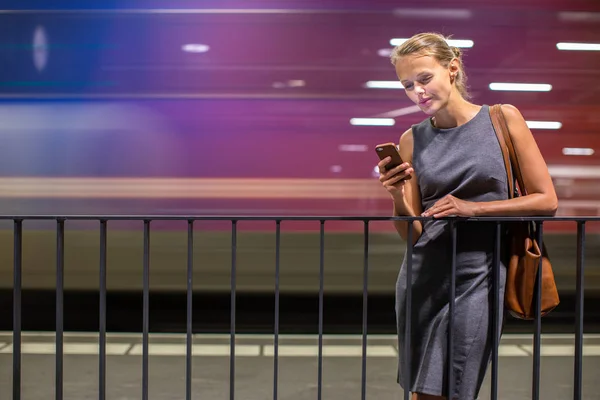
<point>426,82</point>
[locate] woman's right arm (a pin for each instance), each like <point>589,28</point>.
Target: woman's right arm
<point>405,193</point>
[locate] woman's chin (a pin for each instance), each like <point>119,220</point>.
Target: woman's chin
<point>428,105</point>
<point>428,109</point>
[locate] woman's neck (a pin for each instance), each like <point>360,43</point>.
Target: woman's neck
<point>457,112</point>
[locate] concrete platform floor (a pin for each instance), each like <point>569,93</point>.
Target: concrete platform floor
<point>254,363</point>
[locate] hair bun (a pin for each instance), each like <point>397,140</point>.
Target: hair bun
<point>456,51</point>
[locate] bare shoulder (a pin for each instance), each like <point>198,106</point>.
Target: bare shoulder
<point>516,123</point>
<point>511,111</point>
<point>406,145</point>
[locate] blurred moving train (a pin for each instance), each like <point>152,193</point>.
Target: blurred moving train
<point>235,109</point>
<point>190,157</point>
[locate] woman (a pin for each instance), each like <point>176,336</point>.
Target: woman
<point>457,168</point>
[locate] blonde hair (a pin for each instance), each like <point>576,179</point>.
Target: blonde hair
<point>436,46</point>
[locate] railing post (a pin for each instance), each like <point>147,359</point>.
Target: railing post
<point>18,252</point>
<point>102,322</point>
<point>190,288</point>
<point>276,328</point>
<point>408,311</point>
<point>451,296</point>
<point>232,329</point>
<point>496,314</point>
<point>365,310</point>
<point>577,381</point>
<point>321,290</point>
<point>146,309</point>
<point>60,267</point>
<point>538,318</point>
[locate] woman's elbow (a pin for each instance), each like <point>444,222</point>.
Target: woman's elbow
<point>551,211</point>
<point>551,204</point>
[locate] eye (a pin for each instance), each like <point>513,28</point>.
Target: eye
<point>426,79</point>
<point>408,86</point>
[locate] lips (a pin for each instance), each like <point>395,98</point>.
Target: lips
<point>424,101</point>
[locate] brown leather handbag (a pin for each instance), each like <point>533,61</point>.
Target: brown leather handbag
<point>523,261</point>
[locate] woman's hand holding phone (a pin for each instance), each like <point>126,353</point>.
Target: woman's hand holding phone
<point>393,181</point>
<point>394,174</point>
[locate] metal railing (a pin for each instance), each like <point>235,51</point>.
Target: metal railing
<point>103,220</point>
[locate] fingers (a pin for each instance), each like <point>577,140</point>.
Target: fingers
<point>404,168</point>
<point>444,211</point>
<point>402,171</point>
<point>396,179</point>
<point>381,164</point>
<point>436,207</point>
<point>382,170</point>
<point>444,204</point>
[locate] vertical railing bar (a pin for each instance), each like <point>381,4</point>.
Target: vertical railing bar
<point>408,310</point>
<point>60,268</point>
<point>18,252</point>
<point>577,381</point>
<point>365,308</point>
<point>233,289</point>
<point>321,291</point>
<point>538,318</point>
<point>276,333</point>
<point>102,322</point>
<point>496,310</point>
<point>146,309</point>
<point>451,296</point>
<point>190,288</point>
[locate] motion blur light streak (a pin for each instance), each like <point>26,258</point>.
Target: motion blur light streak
<point>220,188</point>
<point>521,87</point>
<point>216,188</point>
<point>40,48</point>
<point>384,85</point>
<point>373,121</point>
<point>195,48</point>
<point>578,46</point>
<point>543,124</point>
<point>579,16</point>
<point>434,13</point>
<point>400,112</point>
<point>573,151</point>
<point>384,52</point>
<point>463,43</point>
<point>353,147</point>
<point>574,171</point>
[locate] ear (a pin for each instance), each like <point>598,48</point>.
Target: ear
<point>453,68</point>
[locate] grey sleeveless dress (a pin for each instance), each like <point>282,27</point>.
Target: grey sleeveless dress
<point>466,162</point>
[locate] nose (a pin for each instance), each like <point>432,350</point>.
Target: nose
<point>419,89</point>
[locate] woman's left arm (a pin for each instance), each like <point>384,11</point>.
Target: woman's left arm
<point>541,197</point>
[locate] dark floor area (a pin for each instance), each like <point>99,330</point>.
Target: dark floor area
<point>255,313</point>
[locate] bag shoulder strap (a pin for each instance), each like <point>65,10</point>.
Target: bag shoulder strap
<point>508,150</point>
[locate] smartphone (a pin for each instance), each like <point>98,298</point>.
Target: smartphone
<point>389,150</point>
